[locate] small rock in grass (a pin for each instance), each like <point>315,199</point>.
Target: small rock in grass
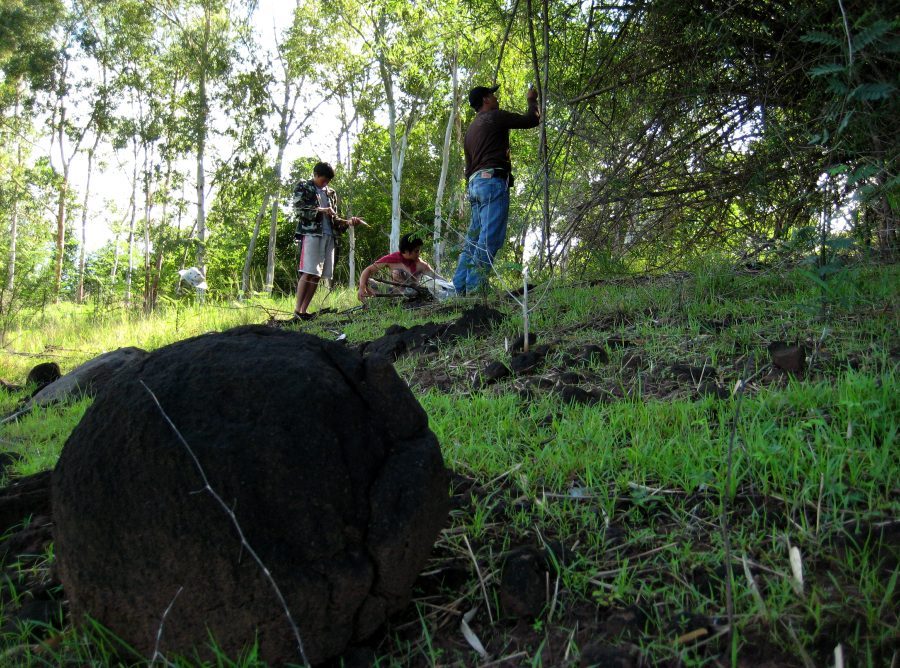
<point>573,394</point>
<point>570,378</point>
<point>493,372</point>
<point>44,374</point>
<point>522,585</point>
<point>787,357</point>
<point>527,361</point>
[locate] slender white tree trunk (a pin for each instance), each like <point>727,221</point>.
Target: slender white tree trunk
<point>442,181</point>
<point>147,208</point>
<point>129,273</point>
<point>273,218</point>
<point>202,129</point>
<point>115,264</point>
<point>84,219</point>
<point>398,143</point>
<point>251,248</point>
<point>14,218</point>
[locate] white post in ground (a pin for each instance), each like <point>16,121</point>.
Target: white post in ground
<point>525,305</point>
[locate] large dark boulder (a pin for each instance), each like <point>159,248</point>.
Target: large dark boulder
<point>325,458</point>
<point>86,379</point>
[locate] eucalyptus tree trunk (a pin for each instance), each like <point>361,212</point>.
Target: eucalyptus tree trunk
<point>64,184</point>
<point>276,184</point>
<point>161,236</point>
<point>148,206</point>
<point>251,247</point>
<point>115,264</point>
<point>202,128</point>
<point>66,164</point>
<point>84,218</point>
<point>14,218</point>
<point>445,164</point>
<point>129,272</point>
<point>400,143</point>
<point>344,135</point>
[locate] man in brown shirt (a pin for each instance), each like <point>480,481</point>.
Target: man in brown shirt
<point>489,177</point>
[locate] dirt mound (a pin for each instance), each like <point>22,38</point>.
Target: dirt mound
<point>324,457</point>
<point>398,340</point>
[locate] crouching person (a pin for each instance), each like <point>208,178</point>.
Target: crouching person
<point>405,265</point>
<point>316,211</point>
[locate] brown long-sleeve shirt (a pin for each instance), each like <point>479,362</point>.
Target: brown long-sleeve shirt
<point>487,139</point>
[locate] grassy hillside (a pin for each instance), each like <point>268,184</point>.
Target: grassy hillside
<point>662,478</point>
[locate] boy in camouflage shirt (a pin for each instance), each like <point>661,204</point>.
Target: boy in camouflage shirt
<point>315,208</point>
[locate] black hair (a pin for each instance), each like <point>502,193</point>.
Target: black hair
<point>323,169</point>
<point>409,243</point>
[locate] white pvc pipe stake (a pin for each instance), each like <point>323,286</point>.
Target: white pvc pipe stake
<point>525,305</point>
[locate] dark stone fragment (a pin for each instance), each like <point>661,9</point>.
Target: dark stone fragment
<point>527,361</point>
<point>89,378</point>
<point>523,583</point>
<point>477,319</point>
<point>43,374</point>
<point>541,383</point>
<point>787,357</point>
<point>493,372</point>
<point>574,394</point>
<point>570,378</point>
<point>398,340</point>
<point>325,458</point>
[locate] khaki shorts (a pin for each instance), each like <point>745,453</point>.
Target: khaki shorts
<point>317,255</point>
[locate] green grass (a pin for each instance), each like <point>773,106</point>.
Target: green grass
<point>634,488</point>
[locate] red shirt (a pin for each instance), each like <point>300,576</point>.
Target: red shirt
<point>397,258</point>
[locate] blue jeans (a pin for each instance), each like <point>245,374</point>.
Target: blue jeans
<point>487,232</point>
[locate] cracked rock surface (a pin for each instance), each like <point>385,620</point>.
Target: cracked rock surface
<point>324,456</point>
